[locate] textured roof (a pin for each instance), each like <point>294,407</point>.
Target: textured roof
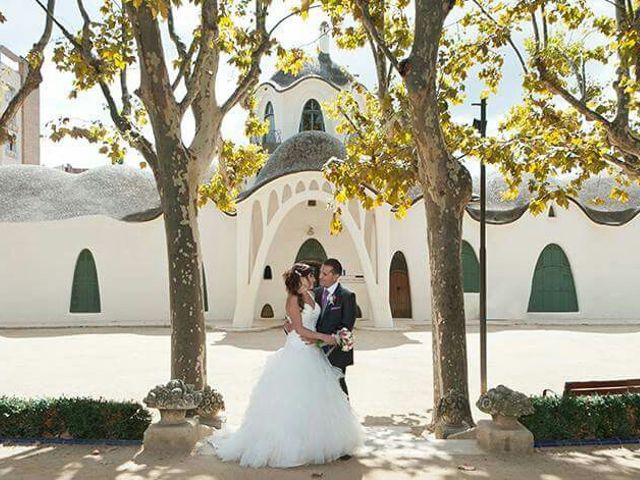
<point>32,193</point>
<point>610,213</point>
<point>322,67</point>
<point>305,151</point>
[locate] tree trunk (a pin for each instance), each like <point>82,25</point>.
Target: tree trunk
<point>178,194</point>
<point>451,410</point>
<point>446,186</point>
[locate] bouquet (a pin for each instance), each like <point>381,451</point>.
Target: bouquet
<point>344,341</point>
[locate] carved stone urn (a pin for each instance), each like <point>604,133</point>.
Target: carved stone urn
<point>504,433</point>
<point>174,433</point>
<point>210,408</point>
<point>173,400</point>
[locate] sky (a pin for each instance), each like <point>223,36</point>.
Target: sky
<point>24,25</point>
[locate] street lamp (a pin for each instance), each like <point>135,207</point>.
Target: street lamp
<point>481,125</point>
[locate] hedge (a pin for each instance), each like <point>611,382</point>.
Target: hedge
<point>589,417</point>
<point>78,418</point>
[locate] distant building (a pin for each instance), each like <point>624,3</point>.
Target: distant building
<point>90,249</point>
<point>67,167</point>
<point>25,126</point>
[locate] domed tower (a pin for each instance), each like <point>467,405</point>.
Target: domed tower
<point>293,103</point>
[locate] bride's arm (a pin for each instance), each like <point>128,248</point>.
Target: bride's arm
<point>293,311</point>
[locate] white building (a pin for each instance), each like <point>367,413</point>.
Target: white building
<point>25,126</point>
<point>89,249</point>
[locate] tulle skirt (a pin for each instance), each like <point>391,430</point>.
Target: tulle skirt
<point>297,414</point>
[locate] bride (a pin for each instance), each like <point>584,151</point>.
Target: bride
<point>297,412</point>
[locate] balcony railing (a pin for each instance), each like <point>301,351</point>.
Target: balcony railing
<point>269,142</point>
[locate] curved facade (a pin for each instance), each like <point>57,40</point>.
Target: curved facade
<point>580,264</point>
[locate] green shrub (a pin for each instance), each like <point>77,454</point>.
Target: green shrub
<point>572,418</point>
<point>81,418</point>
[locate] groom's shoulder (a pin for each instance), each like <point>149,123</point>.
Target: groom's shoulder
<point>345,291</point>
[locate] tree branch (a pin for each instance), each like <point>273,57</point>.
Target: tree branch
<point>369,26</point>
<point>206,65</point>
<point>250,79</point>
<point>622,72</point>
<point>124,88</point>
<point>185,65</point>
<point>135,138</point>
<point>32,80</point>
<point>180,46</point>
<point>545,28</point>
<point>523,64</point>
<point>155,86</point>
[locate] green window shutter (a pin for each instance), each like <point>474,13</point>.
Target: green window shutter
<point>204,291</point>
<point>311,251</point>
<point>552,288</point>
<point>85,291</point>
<point>470,269</point>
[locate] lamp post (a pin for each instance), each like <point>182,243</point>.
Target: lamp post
<point>481,125</point>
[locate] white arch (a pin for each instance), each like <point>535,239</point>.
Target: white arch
<point>257,232</point>
<point>273,205</point>
<point>354,209</point>
<point>245,307</point>
<point>314,185</point>
<point>286,193</point>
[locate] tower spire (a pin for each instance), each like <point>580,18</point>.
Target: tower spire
<point>325,38</point>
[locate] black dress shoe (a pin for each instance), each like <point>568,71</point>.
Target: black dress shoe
<point>344,458</point>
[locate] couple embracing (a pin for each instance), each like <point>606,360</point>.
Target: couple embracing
<point>299,411</point>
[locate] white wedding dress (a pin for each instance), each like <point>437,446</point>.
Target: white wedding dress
<point>297,412</point>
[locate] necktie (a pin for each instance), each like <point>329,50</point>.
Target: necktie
<point>325,296</point>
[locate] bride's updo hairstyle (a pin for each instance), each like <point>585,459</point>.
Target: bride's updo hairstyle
<point>293,280</point>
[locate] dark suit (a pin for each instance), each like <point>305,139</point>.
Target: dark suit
<point>336,316</point>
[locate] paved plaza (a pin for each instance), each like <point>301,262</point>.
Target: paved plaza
<point>390,387</point>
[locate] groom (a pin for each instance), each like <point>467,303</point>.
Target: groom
<point>338,311</point>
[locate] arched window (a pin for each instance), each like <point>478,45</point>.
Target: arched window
<point>85,291</point>
<point>313,254</point>
<point>399,287</point>
<point>267,311</point>
<point>270,117</point>
<point>312,118</point>
<point>205,295</point>
<point>311,251</point>
<point>552,288</point>
<point>268,274</point>
<point>470,269</point>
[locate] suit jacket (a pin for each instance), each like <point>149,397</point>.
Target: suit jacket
<point>335,317</point>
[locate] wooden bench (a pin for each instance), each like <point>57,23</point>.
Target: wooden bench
<point>602,387</point>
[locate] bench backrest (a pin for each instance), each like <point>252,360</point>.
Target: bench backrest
<point>602,387</point>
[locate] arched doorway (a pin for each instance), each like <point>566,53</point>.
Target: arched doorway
<point>85,291</point>
<point>552,288</point>
<point>399,287</point>
<point>313,254</point>
<point>470,269</point>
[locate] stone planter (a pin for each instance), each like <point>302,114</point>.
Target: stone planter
<point>174,433</point>
<point>215,421</point>
<point>504,434</point>
<point>171,416</point>
<point>506,423</point>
